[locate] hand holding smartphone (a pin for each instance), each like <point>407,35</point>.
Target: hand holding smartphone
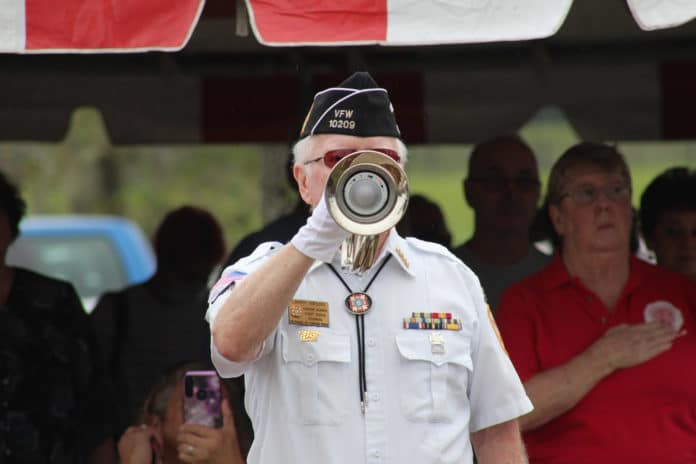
<point>202,398</point>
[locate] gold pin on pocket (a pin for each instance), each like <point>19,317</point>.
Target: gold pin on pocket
<point>308,335</point>
<point>437,343</point>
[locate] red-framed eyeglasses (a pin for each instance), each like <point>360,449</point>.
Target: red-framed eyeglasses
<point>332,157</point>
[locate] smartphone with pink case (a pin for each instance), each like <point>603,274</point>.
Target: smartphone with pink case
<point>202,398</point>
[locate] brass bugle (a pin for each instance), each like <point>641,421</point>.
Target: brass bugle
<point>366,194</point>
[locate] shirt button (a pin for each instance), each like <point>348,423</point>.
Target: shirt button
<point>310,358</point>
<point>588,299</point>
<point>375,453</point>
<point>371,342</point>
<point>603,320</point>
<point>375,397</point>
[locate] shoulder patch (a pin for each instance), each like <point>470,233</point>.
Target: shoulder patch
<point>491,319</point>
<point>263,250</point>
<point>228,278</point>
<point>239,270</point>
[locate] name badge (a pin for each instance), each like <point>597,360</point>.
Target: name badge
<point>306,312</point>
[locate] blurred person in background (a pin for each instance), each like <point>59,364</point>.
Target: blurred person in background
<point>503,188</point>
<point>160,430</point>
<point>144,328</point>
<point>279,230</point>
<point>54,399</point>
<point>603,341</point>
<point>424,220</point>
<point>668,220</point>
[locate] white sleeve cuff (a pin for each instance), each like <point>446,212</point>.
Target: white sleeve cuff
<point>224,366</point>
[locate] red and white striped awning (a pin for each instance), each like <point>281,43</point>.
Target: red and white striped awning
<point>408,22</point>
<point>98,26</point>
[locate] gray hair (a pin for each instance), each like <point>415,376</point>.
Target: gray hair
<point>585,154</point>
<point>600,156</point>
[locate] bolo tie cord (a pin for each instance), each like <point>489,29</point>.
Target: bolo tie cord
<point>360,329</point>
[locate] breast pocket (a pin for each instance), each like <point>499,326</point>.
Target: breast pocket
<point>318,372</point>
<point>433,381</point>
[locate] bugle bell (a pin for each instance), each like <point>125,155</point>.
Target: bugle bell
<point>366,194</point>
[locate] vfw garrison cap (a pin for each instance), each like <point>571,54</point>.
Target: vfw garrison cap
<point>358,106</point>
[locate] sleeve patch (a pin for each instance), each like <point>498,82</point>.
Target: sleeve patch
<point>495,329</point>
<point>225,282</point>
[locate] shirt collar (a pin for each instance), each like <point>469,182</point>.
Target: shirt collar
<point>639,271</point>
<point>556,275</point>
<point>395,245</point>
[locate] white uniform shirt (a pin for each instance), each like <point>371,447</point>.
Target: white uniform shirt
<point>422,401</point>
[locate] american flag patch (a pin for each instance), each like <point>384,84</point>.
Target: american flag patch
<point>225,281</point>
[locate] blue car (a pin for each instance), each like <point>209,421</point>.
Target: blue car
<point>95,253</point>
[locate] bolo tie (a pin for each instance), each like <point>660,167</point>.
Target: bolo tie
<point>359,303</point>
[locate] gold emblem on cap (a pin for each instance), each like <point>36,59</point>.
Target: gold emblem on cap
<point>402,257</point>
<point>306,119</point>
<point>307,335</point>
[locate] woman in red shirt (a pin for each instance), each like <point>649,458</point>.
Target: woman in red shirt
<point>602,341</point>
